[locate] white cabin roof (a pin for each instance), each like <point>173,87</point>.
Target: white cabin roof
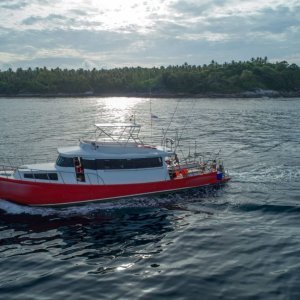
<point>39,167</point>
<point>113,150</point>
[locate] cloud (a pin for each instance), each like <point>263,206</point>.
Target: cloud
<point>75,46</point>
<point>13,5</point>
<point>194,8</point>
<point>117,33</point>
<point>36,19</point>
<point>288,18</point>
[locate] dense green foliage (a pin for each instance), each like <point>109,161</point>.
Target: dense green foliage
<point>231,77</point>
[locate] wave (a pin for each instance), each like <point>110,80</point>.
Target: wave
<point>264,173</point>
<point>269,208</point>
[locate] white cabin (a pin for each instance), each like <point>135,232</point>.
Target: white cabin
<point>108,159</point>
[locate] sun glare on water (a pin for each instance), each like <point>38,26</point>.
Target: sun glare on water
<point>119,110</point>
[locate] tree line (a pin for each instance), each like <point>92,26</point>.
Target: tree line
<point>233,77</point>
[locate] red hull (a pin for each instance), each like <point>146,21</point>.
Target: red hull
<point>49,194</point>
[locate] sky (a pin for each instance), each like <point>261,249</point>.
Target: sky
<point>114,33</point>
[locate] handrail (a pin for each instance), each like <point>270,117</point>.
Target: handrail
<point>8,171</point>
<point>128,132</point>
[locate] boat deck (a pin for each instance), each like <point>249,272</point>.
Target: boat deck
<point>7,173</point>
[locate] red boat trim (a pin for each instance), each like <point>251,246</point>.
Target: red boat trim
<point>129,196</point>
<point>31,193</point>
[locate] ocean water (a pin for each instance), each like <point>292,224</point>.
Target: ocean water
<point>241,241</point>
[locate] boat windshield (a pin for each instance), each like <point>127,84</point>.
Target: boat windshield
<point>64,161</point>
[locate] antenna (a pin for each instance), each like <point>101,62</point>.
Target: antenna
<point>171,120</point>
<point>184,127</point>
<point>151,124</point>
<point>150,104</point>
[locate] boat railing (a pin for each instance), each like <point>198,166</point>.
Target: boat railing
<point>202,167</point>
<point>196,167</point>
<point>108,143</point>
<point>8,171</point>
<point>189,168</point>
<point>22,161</point>
<point>119,133</point>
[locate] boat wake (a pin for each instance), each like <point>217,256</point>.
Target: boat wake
<point>12,208</point>
<point>263,173</point>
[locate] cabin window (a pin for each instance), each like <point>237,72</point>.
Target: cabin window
<point>53,176</point>
<point>135,163</point>
<point>89,164</point>
<point>27,175</point>
<point>65,161</point>
<point>41,176</point>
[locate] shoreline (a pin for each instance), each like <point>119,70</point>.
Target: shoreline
<point>246,94</point>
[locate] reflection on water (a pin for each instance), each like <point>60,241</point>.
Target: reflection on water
<point>131,228</point>
<point>117,109</point>
<point>106,238</point>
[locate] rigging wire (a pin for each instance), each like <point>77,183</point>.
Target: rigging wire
<point>184,127</point>
<point>166,131</point>
<point>151,123</point>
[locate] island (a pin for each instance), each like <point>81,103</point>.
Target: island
<point>254,78</point>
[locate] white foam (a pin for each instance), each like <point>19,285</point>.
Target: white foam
<point>12,208</point>
<point>268,174</point>
<point>16,209</point>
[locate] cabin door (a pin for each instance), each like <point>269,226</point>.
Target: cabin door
<point>79,170</point>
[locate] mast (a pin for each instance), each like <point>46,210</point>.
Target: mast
<point>151,124</point>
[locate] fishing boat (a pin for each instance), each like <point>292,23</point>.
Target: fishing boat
<point>115,164</point>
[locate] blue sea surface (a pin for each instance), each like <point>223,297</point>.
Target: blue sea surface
<point>239,241</point>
